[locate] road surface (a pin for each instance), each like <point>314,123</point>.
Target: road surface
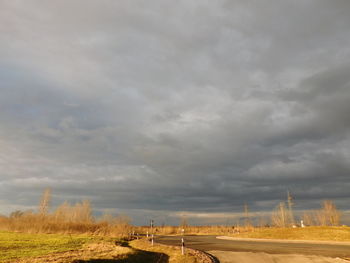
<point>211,243</point>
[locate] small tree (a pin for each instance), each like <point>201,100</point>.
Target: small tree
<point>247,220</point>
<point>328,215</point>
<point>64,212</point>
<point>183,222</point>
<point>290,209</point>
<point>309,218</point>
<point>280,215</point>
<point>82,212</point>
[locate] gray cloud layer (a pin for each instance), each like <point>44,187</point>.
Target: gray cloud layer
<point>166,106</point>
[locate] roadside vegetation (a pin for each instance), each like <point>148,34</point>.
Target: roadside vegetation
<point>323,224</point>
<point>319,233</point>
<point>65,219</point>
<point>70,233</point>
<point>40,248</point>
<point>170,254</point>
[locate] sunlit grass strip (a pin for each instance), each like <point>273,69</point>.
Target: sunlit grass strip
<point>307,233</point>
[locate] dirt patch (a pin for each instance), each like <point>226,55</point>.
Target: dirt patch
<point>250,257</point>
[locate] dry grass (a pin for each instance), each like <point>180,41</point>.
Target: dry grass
<point>65,219</point>
<point>307,233</point>
<point>189,230</point>
<point>40,248</point>
<point>172,253</point>
<point>32,223</point>
<point>96,252</point>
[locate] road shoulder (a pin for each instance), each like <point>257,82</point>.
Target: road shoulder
<point>251,257</point>
<point>283,240</point>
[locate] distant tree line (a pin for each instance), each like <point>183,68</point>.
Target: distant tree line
<point>66,218</point>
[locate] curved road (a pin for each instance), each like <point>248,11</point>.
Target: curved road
<point>210,243</point>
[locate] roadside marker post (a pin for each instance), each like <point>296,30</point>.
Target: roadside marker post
<point>182,246</point>
<point>152,239</point>
<point>152,224</point>
<point>147,234</point>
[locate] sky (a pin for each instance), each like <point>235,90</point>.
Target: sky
<point>162,109</point>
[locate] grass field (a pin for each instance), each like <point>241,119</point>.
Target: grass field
<point>307,233</point>
<point>40,248</point>
<point>21,245</point>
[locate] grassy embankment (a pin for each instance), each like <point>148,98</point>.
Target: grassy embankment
<point>326,233</point>
<point>170,254</point>
<point>40,248</point>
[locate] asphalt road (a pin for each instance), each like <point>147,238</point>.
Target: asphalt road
<point>210,243</point>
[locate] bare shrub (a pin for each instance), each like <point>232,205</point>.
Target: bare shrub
<point>290,201</point>
<point>309,218</point>
<point>247,219</point>
<point>66,218</point>
<point>279,216</point>
<point>328,215</point>
<point>45,201</point>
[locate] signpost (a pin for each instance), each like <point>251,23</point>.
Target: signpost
<point>182,246</point>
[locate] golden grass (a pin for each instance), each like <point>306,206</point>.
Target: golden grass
<point>308,233</point>
<point>40,248</point>
<point>174,253</point>
<point>33,223</point>
<point>189,230</point>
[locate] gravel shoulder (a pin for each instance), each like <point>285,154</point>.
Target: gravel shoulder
<point>283,240</point>
<point>251,257</point>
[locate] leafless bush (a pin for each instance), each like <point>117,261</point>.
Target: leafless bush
<point>279,217</point>
<point>45,201</point>
<point>328,215</point>
<point>309,218</point>
<point>66,218</point>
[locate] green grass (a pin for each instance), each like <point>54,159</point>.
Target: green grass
<point>307,233</point>
<point>22,245</point>
<point>43,247</point>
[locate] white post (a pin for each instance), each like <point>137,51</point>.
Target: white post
<point>147,234</point>
<point>182,246</point>
<point>152,239</point>
<point>302,223</point>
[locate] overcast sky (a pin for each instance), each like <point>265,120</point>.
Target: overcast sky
<point>160,108</point>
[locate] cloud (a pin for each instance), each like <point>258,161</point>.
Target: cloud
<point>168,107</point>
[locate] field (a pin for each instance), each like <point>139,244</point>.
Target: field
<point>21,245</point>
<point>307,233</point>
<point>40,248</point>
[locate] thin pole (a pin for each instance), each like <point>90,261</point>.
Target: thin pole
<point>182,246</point>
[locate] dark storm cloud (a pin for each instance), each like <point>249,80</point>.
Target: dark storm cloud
<point>158,108</point>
